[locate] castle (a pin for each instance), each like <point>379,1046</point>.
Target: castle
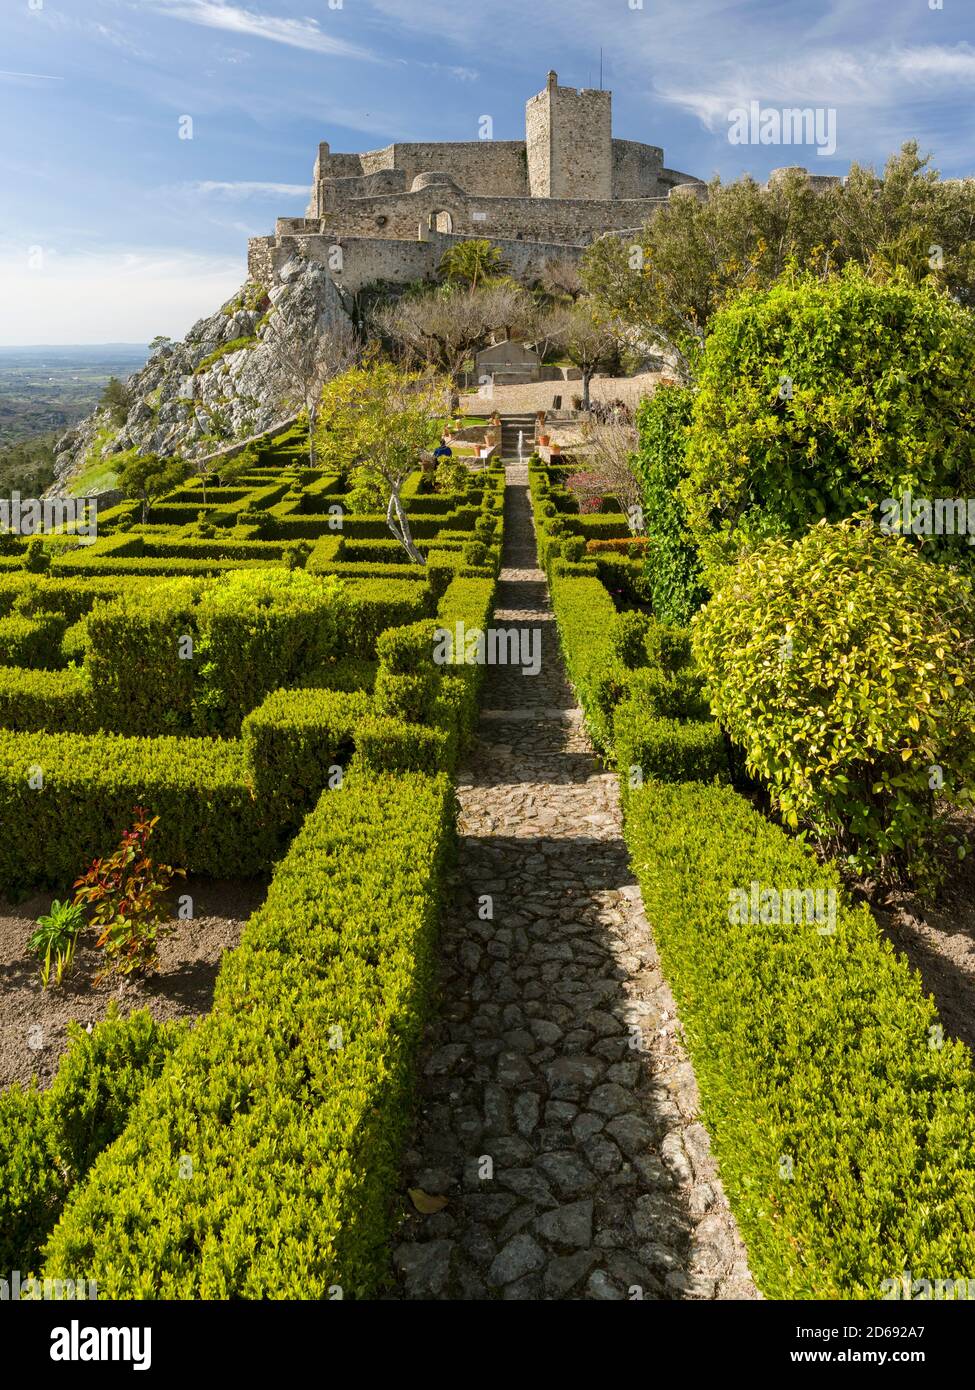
<point>389,214</point>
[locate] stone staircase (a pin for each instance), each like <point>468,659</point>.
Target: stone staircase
<point>510,425</point>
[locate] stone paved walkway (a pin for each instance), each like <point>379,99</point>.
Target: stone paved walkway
<point>558,1109</point>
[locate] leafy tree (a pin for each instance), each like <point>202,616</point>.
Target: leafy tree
<point>148,477</point>
<point>231,470</point>
<point>374,422</point>
<point>308,356</point>
<point>842,664</point>
<point>819,399</point>
<point>117,400</point>
<point>472,262</point>
<point>693,256</point>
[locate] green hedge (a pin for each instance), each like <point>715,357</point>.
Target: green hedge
<point>294,738</point>
<point>673,569</point>
<point>188,656</point>
<point>666,749</point>
<point>840,1120</point>
<point>34,641</point>
<point>49,1139</point>
<point>584,615</point>
<point>291,1100</point>
<point>199,787</point>
<point>36,700</point>
<point>376,604</point>
<point>73,597</point>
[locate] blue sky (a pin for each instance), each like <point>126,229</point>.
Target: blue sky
<point>112,228</point>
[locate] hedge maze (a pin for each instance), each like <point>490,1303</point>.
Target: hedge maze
<point>254,665</point>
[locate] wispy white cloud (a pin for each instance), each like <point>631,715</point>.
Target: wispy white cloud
<point>240,190</point>
<point>234,19</point>
<point>833,77</point>
<point>34,76</point>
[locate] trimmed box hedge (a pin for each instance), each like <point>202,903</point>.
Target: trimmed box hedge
<point>294,738</point>
<point>36,700</point>
<point>264,1162</point>
<point>49,1139</point>
<point>66,798</point>
<point>840,1117</point>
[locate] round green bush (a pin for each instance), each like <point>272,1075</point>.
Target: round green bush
<point>819,399</point>
<point>842,665</point>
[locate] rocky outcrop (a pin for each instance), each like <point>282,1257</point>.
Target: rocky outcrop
<point>223,382</point>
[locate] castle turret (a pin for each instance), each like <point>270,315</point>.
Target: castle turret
<point>569,137</point>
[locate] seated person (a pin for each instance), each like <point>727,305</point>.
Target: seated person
<point>443,451</point>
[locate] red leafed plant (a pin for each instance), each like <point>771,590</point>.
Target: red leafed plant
<point>589,489</point>
<point>124,893</point>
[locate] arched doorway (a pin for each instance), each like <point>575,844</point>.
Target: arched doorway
<point>441,221</point>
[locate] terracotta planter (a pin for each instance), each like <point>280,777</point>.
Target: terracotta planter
<point>543,439</point>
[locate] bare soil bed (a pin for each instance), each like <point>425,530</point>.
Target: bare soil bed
<point>33,1020</point>
<point>939,940</point>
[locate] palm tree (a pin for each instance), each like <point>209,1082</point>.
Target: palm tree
<point>472,261</point>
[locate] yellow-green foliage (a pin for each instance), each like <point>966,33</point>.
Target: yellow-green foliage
<point>842,665</point>
<point>225,349</point>
<point>841,1123</point>
<point>264,1161</point>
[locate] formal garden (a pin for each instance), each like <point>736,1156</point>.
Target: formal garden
<point>576,982</point>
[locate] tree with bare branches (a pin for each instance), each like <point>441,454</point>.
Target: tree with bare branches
<point>561,279</point>
<point>587,339</point>
<point>611,446</point>
<point>442,329</point>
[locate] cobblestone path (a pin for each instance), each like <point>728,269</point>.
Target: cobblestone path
<point>558,1109</point>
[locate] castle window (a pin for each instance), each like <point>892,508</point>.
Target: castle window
<point>381,220</point>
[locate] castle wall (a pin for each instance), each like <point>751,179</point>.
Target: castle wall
<point>548,219</point>
<point>636,169</point>
<point>364,260</point>
<point>493,168</point>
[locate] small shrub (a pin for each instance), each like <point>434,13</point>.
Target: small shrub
<point>629,639</point>
<point>37,559</point>
<point>842,665</point>
<point>55,937</point>
<point>124,893</point>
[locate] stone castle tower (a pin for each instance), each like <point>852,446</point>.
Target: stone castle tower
<point>569,137</point>
<point>389,214</point>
